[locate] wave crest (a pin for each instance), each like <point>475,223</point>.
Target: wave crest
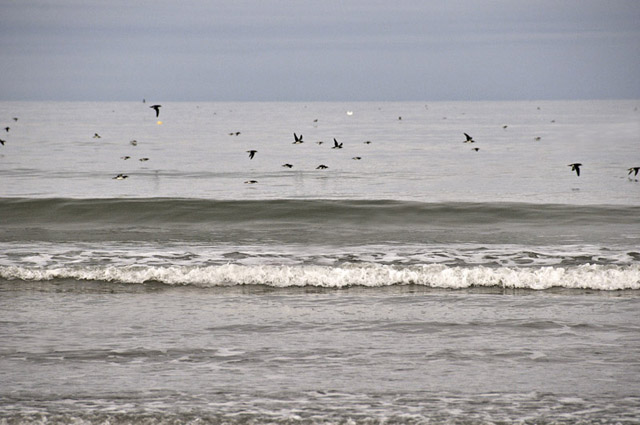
<point>587,276</point>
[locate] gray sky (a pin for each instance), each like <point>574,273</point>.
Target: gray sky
<point>208,50</point>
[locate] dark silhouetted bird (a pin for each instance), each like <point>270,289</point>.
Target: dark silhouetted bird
<point>634,170</point>
<point>321,167</point>
<point>336,145</point>
<point>298,140</point>
<point>469,138</point>
<point>252,153</point>
<point>157,109</point>
<point>575,167</point>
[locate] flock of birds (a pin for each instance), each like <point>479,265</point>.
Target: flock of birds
<point>298,139</point>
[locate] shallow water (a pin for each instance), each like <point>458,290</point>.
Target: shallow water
<point>423,283</point>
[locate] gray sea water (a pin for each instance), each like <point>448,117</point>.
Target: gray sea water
<point>423,282</point>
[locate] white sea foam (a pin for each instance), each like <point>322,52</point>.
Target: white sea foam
<point>587,276</point>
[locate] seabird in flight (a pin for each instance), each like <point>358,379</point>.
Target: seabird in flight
<point>2,142</point>
<point>298,140</point>
<point>634,170</point>
<point>469,138</point>
<point>252,153</point>
<point>575,167</point>
<point>251,182</point>
<point>288,165</point>
<point>321,167</point>
<point>157,109</point>
<point>336,145</point>
<point>96,136</point>
<point>143,159</point>
<point>120,177</point>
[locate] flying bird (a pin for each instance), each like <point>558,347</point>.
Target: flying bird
<point>288,165</point>
<point>631,170</point>
<point>2,142</point>
<point>252,153</point>
<point>475,149</point>
<point>469,138</point>
<point>298,140</point>
<point>321,167</point>
<point>120,177</point>
<point>96,136</point>
<point>157,109</point>
<point>251,182</point>
<point>575,167</point>
<point>336,145</point>
<point>143,159</point>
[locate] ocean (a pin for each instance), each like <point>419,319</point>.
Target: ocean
<point>415,279</point>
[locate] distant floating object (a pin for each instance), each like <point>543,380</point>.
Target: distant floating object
<point>505,126</point>
<point>469,138</point>
<point>368,142</point>
<point>634,170</point>
<point>2,142</point>
<point>7,129</point>
<point>287,165</point>
<point>156,108</point>
<point>143,159</point>
<point>475,149</point>
<point>537,139</point>
<point>553,121</point>
<point>15,119</point>
<point>336,145</point>
<point>357,158</point>
<point>349,113</point>
<point>316,120</point>
<point>319,142</point>
<point>575,167</point>
<point>298,140</point>
<point>237,133</point>
<point>120,177</point>
<point>134,142</point>
<point>125,157</point>
<point>399,118</point>
<point>252,153</point>
<point>96,136</point>
<point>251,182</point>
<point>321,167</point>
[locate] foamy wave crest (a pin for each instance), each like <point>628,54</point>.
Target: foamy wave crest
<point>588,276</point>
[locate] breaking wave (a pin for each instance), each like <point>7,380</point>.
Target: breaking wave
<point>587,276</point>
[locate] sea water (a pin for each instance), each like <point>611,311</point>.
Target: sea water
<point>414,280</point>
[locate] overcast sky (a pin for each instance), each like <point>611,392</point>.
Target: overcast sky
<point>211,50</point>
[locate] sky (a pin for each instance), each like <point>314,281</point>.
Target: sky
<point>328,50</point>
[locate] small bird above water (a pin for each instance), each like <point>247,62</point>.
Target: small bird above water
<point>15,119</point>
<point>368,142</point>
<point>125,157</point>
<point>96,136</point>
<point>251,182</point>
<point>336,145</point>
<point>298,140</point>
<point>321,167</point>
<point>475,149</point>
<point>575,167</point>
<point>287,165</point>
<point>143,159</point>
<point>634,170</point>
<point>469,138</point>
<point>2,142</point>
<point>252,153</point>
<point>157,109</point>
<point>120,177</point>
